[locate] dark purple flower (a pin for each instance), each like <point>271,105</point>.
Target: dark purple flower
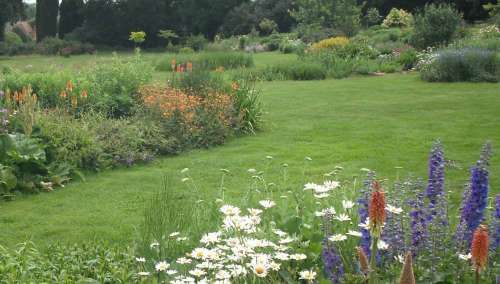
<point>334,269</point>
<point>473,209</point>
<point>363,212</point>
<point>435,185</point>
<point>393,233</point>
<point>495,225</point>
<point>418,220</point>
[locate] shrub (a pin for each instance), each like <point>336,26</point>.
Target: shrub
<point>198,82</point>
<point>196,42</point>
<point>51,45</point>
<point>314,33</point>
<point>408,58</point>
<point>372,17</point>
<point>120,140</point>
<point>114,84</point>
<point>435,25</point>
<point>22,33</point>
<point>186,50</point>
<point>299,70</point>
<point>397,18</point>
<point>267,26</point>
<point>12,38</point>
<point>467,64</point>
<point>330,43</point>
<point>273,42</point>
<point>69,141</point>
<point>193,120</point>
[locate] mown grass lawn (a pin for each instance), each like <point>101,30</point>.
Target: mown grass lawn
<point>364,122</point>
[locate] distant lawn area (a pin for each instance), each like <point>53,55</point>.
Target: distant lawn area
<point>378,123</point>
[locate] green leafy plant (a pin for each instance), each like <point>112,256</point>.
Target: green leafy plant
<point>436,24</point>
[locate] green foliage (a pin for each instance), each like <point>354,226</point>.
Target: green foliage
<point>467,64</point>
<point>228,60</point>
<point>372,17</point>
<point>137,37</point>
<point>343,15</point>
<point>120,140</point>
<point>408,58</point>
<point>56,46</point>
<point>208,60</point>
<point>67,264</point>
<point>298,70</point>
<point>248,105</point>
<point>12,38</point>
<point>199,82</point>
<point>167,35</point>
<point>69,141</point>
<point>115,83</point>
<point>397,18</point>
<point>268,26</point>
<point>436,25</point>
<point>9,11</point>
<point>22,33</point>
<point>196,42</point>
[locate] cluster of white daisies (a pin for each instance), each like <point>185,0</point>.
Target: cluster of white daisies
<point>238,251</point>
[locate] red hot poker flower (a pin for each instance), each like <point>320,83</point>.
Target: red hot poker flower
<point>479,247</point>
<point>376,209</point>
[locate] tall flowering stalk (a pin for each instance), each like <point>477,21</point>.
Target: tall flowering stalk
<point>333,266</point>
<point>363,212</point>
<point>479,250</point>
<point>495,225</point>
<point>418,219</point>
<point>393,233</point>
<point>473,209</point>
<point>435,185</point>
<point>376,215</point>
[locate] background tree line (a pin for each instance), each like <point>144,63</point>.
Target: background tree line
<point>108,22</point>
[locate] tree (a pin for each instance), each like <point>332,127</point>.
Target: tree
<point>46,18</point>
<point>71,12</point>
<point>342,15</point>
<point>10,10</point>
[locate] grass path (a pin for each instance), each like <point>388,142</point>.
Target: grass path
<point>373,122</point>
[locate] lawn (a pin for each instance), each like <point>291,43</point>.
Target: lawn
<point>363,122</point>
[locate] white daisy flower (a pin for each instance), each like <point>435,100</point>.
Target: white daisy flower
<point>307,275</point>
<point>354,233</point>
<point>465,256</point>
<point>162,266</point>
<point>229,210</point>
<point>393,209</point>
<point>338,238</point>
<point>343,217</point>
<point>267,203</point>
<point>347,204</point>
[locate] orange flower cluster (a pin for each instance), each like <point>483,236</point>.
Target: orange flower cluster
<point>21,96</point>
<point>479,248</point>
<point>181,68</point>
<point>171,101</point>
<point>68,93</point>
<point>376,209</point>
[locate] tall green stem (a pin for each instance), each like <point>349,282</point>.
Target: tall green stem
<point>372,278</point>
